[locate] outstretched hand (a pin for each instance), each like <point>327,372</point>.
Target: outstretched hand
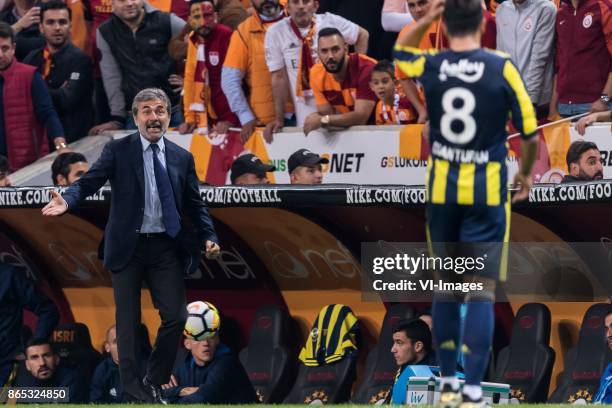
<point>525,185</point>
<point>57,205</point>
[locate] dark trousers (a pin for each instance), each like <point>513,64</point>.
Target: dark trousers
<point>155,261</point>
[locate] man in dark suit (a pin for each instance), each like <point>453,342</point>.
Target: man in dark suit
<point>153,180</point>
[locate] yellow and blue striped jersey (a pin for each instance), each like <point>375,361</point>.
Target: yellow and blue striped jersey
<point>469,97</point>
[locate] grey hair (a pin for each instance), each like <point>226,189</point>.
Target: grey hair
<point>148,94</point>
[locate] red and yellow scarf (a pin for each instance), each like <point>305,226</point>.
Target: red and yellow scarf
<point>306,62</point>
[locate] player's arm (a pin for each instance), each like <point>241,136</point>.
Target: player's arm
<point>409,59</point>
<point>523,119</point>
<point>412,37</point>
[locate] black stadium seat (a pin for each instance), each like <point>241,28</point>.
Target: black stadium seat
<point>585,363</point>
<point>380,367</point>
<point>329,383</point>
<point>526,363</point>
<point>72,342</point>
<point>267,358</point>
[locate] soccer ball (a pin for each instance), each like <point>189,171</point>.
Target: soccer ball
<point>203,321</point>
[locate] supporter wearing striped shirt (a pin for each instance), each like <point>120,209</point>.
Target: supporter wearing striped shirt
<point>340,85</point>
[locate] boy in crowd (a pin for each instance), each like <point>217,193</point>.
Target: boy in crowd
<point>392,108</point>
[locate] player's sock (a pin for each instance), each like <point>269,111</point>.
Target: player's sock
<point>473,392</point>
<point>477,339</point>
<point>452,382</point>
<point>446,331</point>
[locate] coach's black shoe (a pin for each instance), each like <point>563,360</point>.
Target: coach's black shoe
<point>470,403</point>
<point>155,391</point>
<point>449,398</point>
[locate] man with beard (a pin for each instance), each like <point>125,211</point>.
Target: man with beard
<point>290,64</point>
<point>67,71</point>
<point>583,162</point>
<point>133,45</point>
<point>604,395</point>
<point>152,180</point>
<point>45,370</point>
<point>204,102</point>
<point>67,168</point>
<point>340,84</point>
<point>246,64</point>
<point>18,292</point>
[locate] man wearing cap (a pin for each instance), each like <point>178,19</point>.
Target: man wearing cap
<point>305,167</point>
<point>249,169</point>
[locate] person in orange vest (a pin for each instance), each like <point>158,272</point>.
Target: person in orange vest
<point>246,64</point>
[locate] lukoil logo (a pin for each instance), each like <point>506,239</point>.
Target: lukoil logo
<point>395,161</point>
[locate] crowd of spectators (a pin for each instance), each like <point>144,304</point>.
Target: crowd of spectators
<point>72,69</point>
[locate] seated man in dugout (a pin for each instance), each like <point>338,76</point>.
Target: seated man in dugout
<point>209,374</point>
<point>306,167</point>
<point>584,162</point>
<point>45,370</point>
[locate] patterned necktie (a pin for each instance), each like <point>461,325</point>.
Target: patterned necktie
<point>170,214</point>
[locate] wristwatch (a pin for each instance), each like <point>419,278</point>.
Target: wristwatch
<point>325,120</point>
<point>605,98</point>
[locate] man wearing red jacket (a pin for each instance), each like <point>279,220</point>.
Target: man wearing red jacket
<point>29,124</point>
<point>583,80</point>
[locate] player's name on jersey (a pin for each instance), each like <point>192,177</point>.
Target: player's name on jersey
<point>457,155</point>
<point>584,192</point>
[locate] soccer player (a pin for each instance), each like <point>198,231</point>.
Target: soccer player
<point>469,92</point>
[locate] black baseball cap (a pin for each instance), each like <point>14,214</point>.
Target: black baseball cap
<point>305,157</point>
<point>249,163</point>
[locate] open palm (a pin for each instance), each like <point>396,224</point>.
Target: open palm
<point>57,205</point>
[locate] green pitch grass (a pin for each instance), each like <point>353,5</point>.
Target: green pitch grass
<point>273,406</point>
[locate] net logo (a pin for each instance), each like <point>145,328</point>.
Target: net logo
<point>343,162</point>
<point>389,162</point>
